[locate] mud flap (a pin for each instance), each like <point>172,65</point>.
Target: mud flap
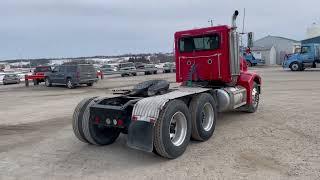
<point>140,136</point>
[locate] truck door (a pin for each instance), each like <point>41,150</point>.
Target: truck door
<point>307,55</point>
<point>60,76</point>
<point>53,75</point>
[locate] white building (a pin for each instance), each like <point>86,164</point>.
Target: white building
<point>275,48</point>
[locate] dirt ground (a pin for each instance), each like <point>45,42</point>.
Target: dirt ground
<point>280,141</point>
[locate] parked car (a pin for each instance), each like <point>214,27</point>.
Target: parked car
<point>127,69</point>
<point>108,69</point>
<point>72,75</point>
<point>41,70</point>
<point>150,69</point>
<point>10,79</point>
<point>1,77</point>
<point>169,67</point>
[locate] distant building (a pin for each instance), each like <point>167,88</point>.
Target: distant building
<point>268,55</point>
<point>274,44</point>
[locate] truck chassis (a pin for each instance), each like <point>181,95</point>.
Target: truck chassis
<point>162,123</point>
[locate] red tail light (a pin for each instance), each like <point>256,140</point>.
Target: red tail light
<point>120,122</point>
<point>134,118</point>
<point>97,120</point>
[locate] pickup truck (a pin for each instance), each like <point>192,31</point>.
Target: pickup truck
<point>40,71</point>
<point>308,57</point>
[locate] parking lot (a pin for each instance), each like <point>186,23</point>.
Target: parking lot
<point>281,140</point>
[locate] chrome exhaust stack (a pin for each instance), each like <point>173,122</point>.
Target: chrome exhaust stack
<point>234,49</point>
<point>234,19</point>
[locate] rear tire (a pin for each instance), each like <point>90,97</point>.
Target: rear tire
<point>95,134</point>
<point>204,114</point>
<point>69,83</point>
<point>35,82</point>
<point>172,130</point>
<point>77,118</point>
<point>134,74</point>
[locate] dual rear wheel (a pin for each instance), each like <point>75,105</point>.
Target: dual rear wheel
<point>178,123</point>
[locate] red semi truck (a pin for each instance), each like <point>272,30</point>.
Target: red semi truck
<point>213,77</point>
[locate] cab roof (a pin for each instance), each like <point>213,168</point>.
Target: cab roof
<point>195,32</point>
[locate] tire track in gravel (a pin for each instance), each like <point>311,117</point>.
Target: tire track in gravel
<point>15,136</point>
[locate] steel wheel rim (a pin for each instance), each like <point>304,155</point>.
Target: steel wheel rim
<point>178,128</point>
<point>47,82</point>
<point>69,84</point>
<point>295,66</point>
<point>255,97</point>
<point>207,117</point>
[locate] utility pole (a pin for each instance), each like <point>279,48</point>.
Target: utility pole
<point>211,22</point>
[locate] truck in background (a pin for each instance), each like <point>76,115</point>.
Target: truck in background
<point>308,57</point>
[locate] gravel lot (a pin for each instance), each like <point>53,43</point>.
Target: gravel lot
<point>280,141</point>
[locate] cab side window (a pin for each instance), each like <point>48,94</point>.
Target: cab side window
<point>56,69</point>
<point>62,69</point>
<point>305,49</point>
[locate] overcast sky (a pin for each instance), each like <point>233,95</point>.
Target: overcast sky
<point>72,28</point>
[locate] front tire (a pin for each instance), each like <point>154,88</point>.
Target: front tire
<point>69,84</point>
<point>251,108</point>
<point>89,84</point>
<point>204,114</point>
<point>249,64</point>
<point>295,66</point>
<point>35,82</point>
<point>173,130</point>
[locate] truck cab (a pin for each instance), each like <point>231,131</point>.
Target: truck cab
<point>308,57</point>
<point>250,59</point>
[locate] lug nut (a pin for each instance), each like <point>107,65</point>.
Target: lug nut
<point>115,122</point>
<point>108,121</point>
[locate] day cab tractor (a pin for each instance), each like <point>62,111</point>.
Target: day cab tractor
<point>250,59</point>
<point>308,57</point>
<point>157,119</point>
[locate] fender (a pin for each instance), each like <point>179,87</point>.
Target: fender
<point>246,80</point>
<point>146,112</point>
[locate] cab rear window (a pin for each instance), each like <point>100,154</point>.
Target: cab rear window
<point>42,69</point>
<point>199,43</point>
<point>86,68</point>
